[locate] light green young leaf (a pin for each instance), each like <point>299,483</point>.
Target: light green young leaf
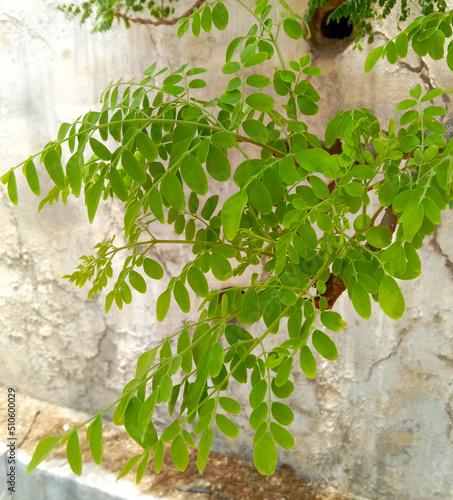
<point>391,298</point>
<point>265,455</point>
<point>373,58</point>
<point>94,436</point>
<point>74,453</point>
<point>54,168</point>
<point>45,446</point>
<point>232,211</point>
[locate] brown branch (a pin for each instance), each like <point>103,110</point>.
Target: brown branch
<point>160,22</point>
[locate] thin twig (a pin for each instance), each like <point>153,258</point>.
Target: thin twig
<point>160,22</point>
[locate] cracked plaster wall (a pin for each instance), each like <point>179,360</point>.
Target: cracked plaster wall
<point>378,422</point>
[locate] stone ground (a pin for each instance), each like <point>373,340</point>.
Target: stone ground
<point>224,478</point>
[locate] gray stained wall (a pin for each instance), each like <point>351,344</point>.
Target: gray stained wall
<point>377,422</point>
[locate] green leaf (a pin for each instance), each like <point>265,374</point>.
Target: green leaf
<point>324,345</point>
<point>306,105</point>
<point>92,198</point>
<point>74,172</point>
<point>156,204</point>
<point>436,45</point>
<point>416,92</point>
<point>162,305</point>
<point>293,29</point>
<point>182,297</point>
<point>230,405</point>
<point>129,466</point>
<point>216,358</point>
<point>282,436</point>
<point>100,150</point>
<point>224,139</point>
<point>206,19</point>
<point>32,177</point>
<point>220,16</point>
<point>145,362</point>
<point>402,44</point>
<point>197,281</point>
<point>54,168</point>
<point>183,344</point>
<point>282,413</point>
<point>391,298</point>
<point>94,432</point>
<point>153,269</point>
<point>450,57</point>
<point>412,220</point>
<point>259,197</point>
<point>251,307</point>
<point>373,58</point>
<point>265,455</point>
<point>137,281</point>
<point>204,447</point>
<point>132,167</point>
<point>217,163</point>
<point>45,446</point>
<point>391,52</point>
<point>379,236</point>
<point>74,453</point>
<point>142,467</point>
<point>333,321</point>
<point>172,189</point>
<point>260,102</point>
<point>194,175</point>
<point>232,211</point>
<point>307,362</point>
<point>179,452</point>
<point>258,81</point>
<point>226,426</point>
<point>406,104</point>
<point>432,94</point>
<point>313,160</point>
<point>256,131</point>
<point>220,267</point>
<point>361,300</point>
<point>146,146</point>
<point>12,188</point>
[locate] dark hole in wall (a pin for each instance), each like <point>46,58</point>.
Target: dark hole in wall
<point>336,28</point>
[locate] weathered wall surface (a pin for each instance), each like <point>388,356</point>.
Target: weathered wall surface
<point>377,422</point>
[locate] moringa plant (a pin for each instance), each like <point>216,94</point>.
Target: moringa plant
<point>345,213</point>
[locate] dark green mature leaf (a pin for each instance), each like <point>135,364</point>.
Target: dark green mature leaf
<point>217,164</point>
<point>194,175</point>
<point>220,16</point>
<point>172,189</point>
<point>74,172</point>
<point>92,198</point>
<point>132,167</point>
<point>361,300</point>
<point>146,146</point>
<point>256,131</point>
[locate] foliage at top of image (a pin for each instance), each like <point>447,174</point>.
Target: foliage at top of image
<point>346,212</point>
<point>359,12</point>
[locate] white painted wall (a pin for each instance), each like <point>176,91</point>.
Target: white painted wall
<point>378,422</point>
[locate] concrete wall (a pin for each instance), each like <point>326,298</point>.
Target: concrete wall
<point>378,422</point>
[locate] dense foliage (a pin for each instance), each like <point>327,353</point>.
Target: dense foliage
<point>321,220</point>
<point>359,12</point>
